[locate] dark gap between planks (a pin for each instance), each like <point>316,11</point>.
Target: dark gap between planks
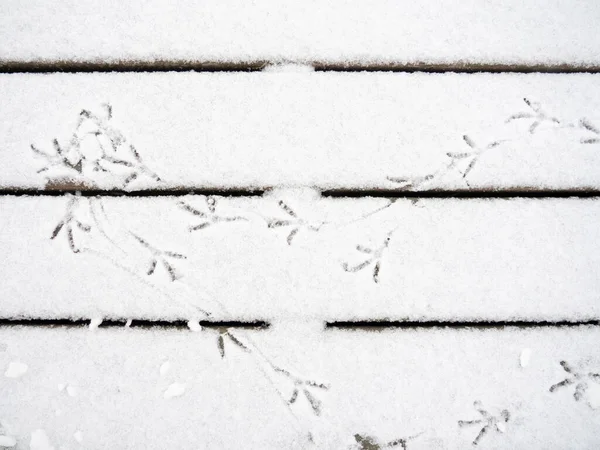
<point>337,193</point>
<point>365,325</point>
<point>66,66</point>
<point>464,193</point>
<point>377,325</point>
<point>176,192</point>
<point>135,323</point>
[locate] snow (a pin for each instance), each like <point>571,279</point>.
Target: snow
<point>448,259</point>
<point>593,396</point>
<point>525,357</point>
<point>72,391</point>
<point>164,368</point>
<point>40,441</point>
<point>16,369</point>
<point>175,390</point>
<point>337,32</point>
<point>288,68</point>
<point>293,257</point>
<point>193,325</point>
<point>95,323</point>
<point>7,441</point>
<point>257,130</point>
<point>78,436</point>
<point>384,385</point>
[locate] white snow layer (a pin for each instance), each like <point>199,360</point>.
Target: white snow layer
<point>324,130</point>
<point>7,441</point>
<point>291,257</point>
<point>40,441</point>
<point>16,369</point>
<point>336,31</point>
<point>333,259</point>
<point>174,390</point>
<point>384,386</point>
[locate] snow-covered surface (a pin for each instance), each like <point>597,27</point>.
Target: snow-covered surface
<point>336,31</point>
<point>15,370</point>
<point>324,130</point>
<point>379,386</point>
<point>291,254</point>
<point>293,258</point>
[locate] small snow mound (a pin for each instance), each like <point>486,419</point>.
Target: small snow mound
<point>78,436</point>
<point>501,427</point>
<point>289,68</point>
<point>72,391</point>
<point>175,390</point>
<point>194,325</point>
<point>7,441</point>
<point>525,357</point>
<point>164,368</point>
<point>61,387</point>
<point>128,323</point>
<point>40,441</point>
<point>95,323</point>
<point>15,370</point>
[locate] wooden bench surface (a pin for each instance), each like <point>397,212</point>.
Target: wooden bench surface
<point>224,226</point>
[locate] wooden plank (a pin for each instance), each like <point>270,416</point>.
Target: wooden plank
<point>325,130</point>
<point>121,388</point>
<point>340,32</point>
<point>291,254</point>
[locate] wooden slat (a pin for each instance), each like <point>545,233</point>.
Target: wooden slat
<point>446,259</point>
<point>105,388</point>
<point>338,32</point>
<point>323,130</point>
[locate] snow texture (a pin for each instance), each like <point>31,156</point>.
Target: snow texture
<point>40,441</point>
<point>15,370</point>
<point>525,357</point>
<point>7,441</point>
<point>288,255</point>
<point>78,436</point>
<point>336,32</point>
<point>323,130</point>
<point>165,368</point>
<point>174,390</point>
<point>435,388</point>
<point>292,257</point>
